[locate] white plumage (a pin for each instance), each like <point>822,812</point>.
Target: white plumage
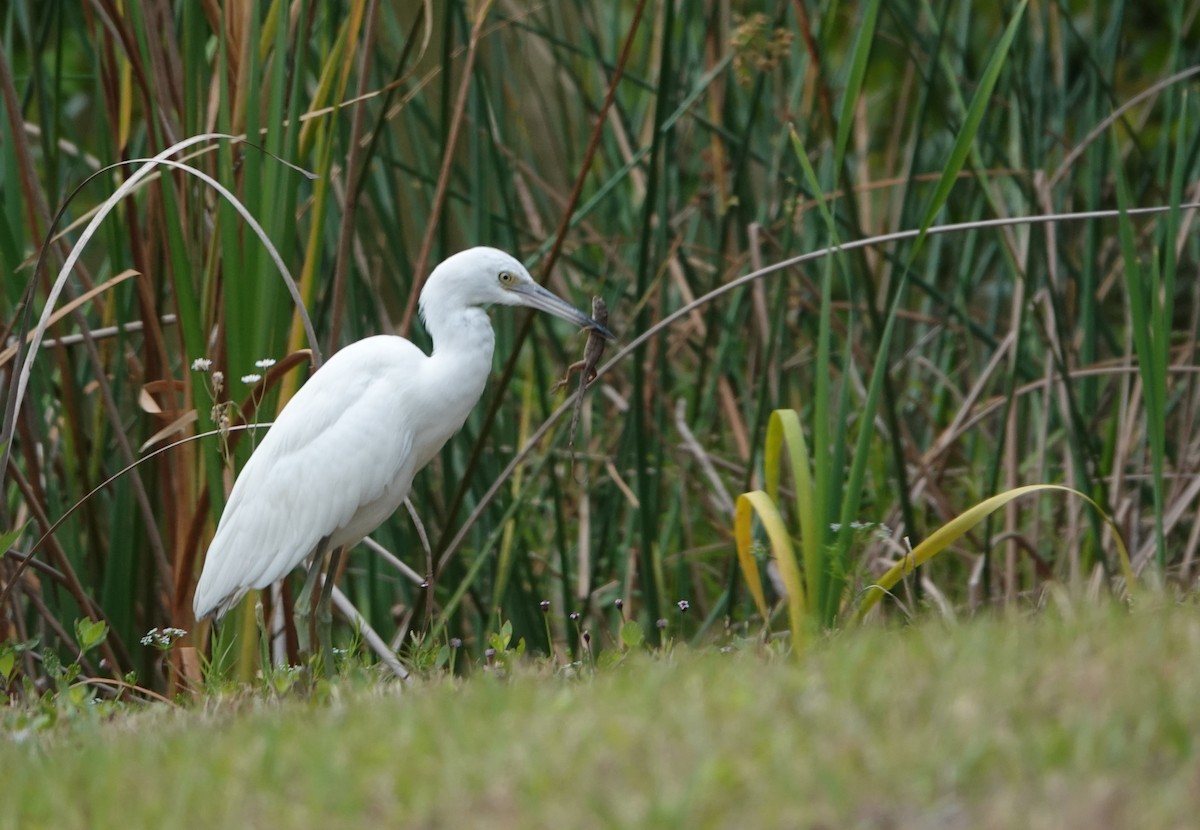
<point>342,454</point>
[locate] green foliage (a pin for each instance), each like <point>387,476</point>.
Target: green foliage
<point>9,653</point>
<point>632,635</point>
<point>89,634</point>
<point>932,372</point>
<point>502,653</point>
<point>7,539</point>
<point>68,697</point>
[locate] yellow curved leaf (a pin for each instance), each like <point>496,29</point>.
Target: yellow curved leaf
<point>950,532</point>
<point>743,524</point>
<point>758,502</point>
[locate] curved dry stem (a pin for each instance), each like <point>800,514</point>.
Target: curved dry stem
<point>25,357</point>
<point>1105,123</point>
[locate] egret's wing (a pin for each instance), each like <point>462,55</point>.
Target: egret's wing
<point>341,443</point>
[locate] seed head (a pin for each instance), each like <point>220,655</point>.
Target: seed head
<point>544,605</point>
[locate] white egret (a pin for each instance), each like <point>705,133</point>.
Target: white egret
<point>341,456</point>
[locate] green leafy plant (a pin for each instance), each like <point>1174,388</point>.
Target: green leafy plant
<point>70,695</point>
<point>501,653</point>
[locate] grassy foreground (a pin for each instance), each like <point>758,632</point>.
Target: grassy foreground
<point>1087,720</point>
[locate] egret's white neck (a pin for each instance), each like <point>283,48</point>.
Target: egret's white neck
<point>463,342</point>
<point>460,333</point>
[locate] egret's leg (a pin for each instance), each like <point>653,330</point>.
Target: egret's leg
<point>325,611</point>
<point>304,602</point>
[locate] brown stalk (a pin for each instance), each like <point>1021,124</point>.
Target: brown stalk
<point>165,60</point>
<point>354,164</point>
<point>141,497</point>
<point>814,55</point>
<point>421,265</point>
<point>111,19</point>
<point>36,208</point>
<point>63,564</point>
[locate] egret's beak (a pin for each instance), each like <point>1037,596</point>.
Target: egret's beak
<point>533,295</point>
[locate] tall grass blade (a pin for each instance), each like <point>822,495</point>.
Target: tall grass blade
<point>1145,299</point>
<point>860,53</point>
<point>965,138</point>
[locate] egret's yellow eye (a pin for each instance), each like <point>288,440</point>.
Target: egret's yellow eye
<point>508,279</point>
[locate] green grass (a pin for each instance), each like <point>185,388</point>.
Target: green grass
<point>1081,719</point>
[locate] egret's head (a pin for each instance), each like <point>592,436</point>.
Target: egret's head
<point>480,277</point>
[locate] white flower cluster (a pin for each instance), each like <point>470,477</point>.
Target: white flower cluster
<point>162,637</point>
<point>203,364</point>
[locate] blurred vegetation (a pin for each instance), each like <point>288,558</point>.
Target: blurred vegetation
<point>1061,353</point>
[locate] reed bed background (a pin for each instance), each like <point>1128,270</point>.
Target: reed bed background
<point>649,153</point>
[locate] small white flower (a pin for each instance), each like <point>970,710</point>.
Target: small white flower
<point>201,364</point>
<point>162,638</point>
<point>251,378</point>
<point>265,363</point>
